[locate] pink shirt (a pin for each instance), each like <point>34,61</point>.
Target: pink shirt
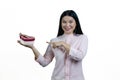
<point>67,66</point>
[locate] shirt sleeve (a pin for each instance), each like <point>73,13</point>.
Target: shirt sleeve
<point>79,52</point>
<point>47,58</point>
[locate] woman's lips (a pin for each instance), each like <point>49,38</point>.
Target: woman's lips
<point>67,29</point>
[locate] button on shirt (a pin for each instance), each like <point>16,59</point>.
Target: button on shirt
<point>68,66</point>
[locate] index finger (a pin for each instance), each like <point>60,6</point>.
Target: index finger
<point>48,42</point>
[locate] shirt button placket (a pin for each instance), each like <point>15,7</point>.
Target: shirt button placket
<point>67,69</point>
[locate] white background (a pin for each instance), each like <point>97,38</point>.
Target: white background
<point>100,21</point>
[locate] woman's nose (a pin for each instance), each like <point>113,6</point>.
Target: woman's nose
<point>67,24</point>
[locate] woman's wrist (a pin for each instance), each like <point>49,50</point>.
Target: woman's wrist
<point>35,51</point>
<point>67,46</point>
<point>32,47</point>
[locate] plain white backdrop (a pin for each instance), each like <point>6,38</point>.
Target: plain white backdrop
<point>100,21</point>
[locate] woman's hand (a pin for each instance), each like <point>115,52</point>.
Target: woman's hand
<point>26,45</point>
<point>56,44</point>
<point>60,44</point>
<point>29,46</point>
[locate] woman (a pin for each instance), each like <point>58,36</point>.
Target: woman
<point>68,48</point>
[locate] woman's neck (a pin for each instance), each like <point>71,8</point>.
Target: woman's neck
<point>68,35</point>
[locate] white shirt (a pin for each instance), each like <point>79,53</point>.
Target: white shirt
<point>67,66</point>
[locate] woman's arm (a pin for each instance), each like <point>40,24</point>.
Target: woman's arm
<point>36,52</point>
<point>60,43</point>
<point>42,60</point>
<point>31,46</point>
<point>78,53</point>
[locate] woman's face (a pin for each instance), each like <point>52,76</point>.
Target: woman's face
<point>68,24</point>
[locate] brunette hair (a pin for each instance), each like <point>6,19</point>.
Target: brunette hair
<point>72,14</point>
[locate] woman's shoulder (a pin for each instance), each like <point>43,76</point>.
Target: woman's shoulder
<point>81,36</point>
<point>55,39</point>
<point>76,36</point>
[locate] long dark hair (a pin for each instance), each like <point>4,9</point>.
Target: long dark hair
<point>74,15</point>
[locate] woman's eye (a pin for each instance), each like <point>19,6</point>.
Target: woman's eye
<point>63,21</point>
<point>70,21</point>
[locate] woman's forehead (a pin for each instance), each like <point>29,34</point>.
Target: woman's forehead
<point>67,18</point>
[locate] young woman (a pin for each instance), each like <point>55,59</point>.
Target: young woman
<point>68,48</point>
